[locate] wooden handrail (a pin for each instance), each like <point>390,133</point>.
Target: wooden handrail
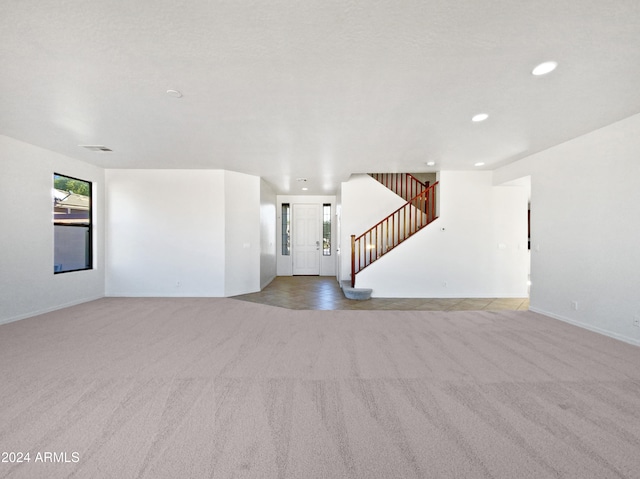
<point>388,233</point>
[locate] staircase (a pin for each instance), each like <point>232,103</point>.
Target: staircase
<point>404,185</point>
<point>418,211</point>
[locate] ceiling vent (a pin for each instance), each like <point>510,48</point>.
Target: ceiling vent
<point>96,147</point>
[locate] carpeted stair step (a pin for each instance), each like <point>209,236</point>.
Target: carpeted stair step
<point>355,293</point>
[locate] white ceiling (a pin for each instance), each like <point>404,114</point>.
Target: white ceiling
<point>313,88</point>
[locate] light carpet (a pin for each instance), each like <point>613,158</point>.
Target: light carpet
<point>219,388</point>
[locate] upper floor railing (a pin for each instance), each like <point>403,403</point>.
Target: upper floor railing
<point>404,185</point>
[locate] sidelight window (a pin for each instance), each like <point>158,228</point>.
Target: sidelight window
<point>326,229</point>
<point>286,226</point>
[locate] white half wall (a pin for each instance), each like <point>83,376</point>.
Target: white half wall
<point>267,233</point>
<point>338,236</point>
<point>242,233</point>
<point>585,232</point>
<point>477,247</point>
<point>27,283</point>
<point>165,233</point>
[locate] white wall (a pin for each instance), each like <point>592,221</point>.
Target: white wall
<point>27,283</point>
<point>481,252</point>
<point>165,233</point>
<point>328,264</point>
<point>585,232</point>
<point>182,233</point>
<point>242,233</point>
<point>267,233</point>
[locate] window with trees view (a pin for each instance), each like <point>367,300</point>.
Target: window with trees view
<point>72,224</point>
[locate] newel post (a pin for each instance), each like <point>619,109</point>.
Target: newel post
<point>353,261</point>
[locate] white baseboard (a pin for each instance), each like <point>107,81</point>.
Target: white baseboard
<point>48,310</point>
<point>130,294</point>
<point>589,327</point>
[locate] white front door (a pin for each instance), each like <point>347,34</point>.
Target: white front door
<point>306,239</point>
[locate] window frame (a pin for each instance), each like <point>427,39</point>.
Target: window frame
<point>88,225</point>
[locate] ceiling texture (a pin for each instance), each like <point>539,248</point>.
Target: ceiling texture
<point>318,89</point>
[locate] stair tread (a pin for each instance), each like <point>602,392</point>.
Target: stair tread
<point>355,293</point>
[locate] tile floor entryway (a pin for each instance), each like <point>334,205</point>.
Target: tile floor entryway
<point>323,292</point>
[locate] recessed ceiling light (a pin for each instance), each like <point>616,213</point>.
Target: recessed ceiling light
<point>544,68</point>
<point>174,93</point>
<point>431,163</point>
<point>305,188</point>
<point>480,117</point>
<point>480,163</point>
